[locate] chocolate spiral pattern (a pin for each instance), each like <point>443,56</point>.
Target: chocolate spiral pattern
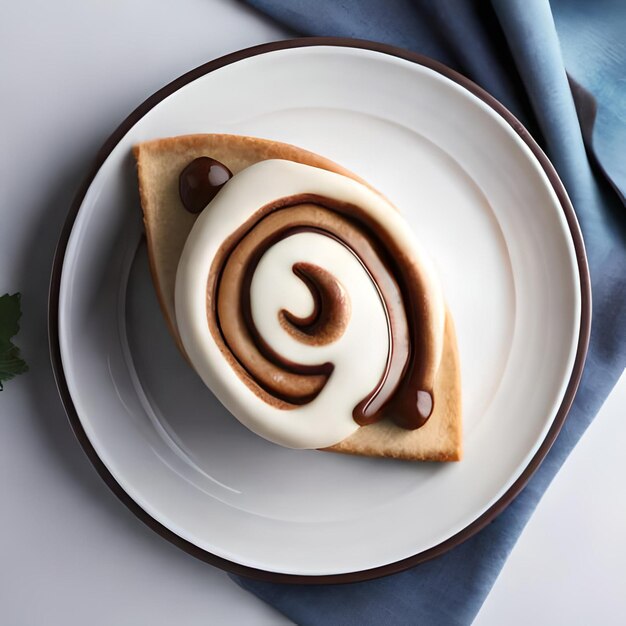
<point>305,304</point>
<point>404,392</point>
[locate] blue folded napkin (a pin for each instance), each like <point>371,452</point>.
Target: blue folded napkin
<point>522,52</point>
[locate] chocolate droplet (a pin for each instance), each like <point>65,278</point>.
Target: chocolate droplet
<point>200,181</point>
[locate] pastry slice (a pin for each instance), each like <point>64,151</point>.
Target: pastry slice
<point>301,297</point>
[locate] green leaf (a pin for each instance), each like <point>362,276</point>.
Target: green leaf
<point>11,364</point>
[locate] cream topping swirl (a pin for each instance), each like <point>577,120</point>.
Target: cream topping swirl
<point>344,358</point>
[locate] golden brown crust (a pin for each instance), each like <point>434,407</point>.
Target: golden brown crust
<point>168,224</point>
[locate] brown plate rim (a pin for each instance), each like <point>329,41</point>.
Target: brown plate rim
<point>518,485</point>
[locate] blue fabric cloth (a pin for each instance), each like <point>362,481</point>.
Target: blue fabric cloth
<point>519,50</point>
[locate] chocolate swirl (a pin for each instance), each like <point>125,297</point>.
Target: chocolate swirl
<point>404,393</point>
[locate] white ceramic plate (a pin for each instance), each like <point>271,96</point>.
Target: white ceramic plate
<point>477,195</point>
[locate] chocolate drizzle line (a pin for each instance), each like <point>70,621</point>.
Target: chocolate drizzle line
<point>405,391</point>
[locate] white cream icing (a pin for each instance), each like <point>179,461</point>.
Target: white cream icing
<point>359,356</point>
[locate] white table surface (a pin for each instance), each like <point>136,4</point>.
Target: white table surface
<point>70,552</point>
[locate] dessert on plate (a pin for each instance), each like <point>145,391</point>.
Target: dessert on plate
<point>301,297</point>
